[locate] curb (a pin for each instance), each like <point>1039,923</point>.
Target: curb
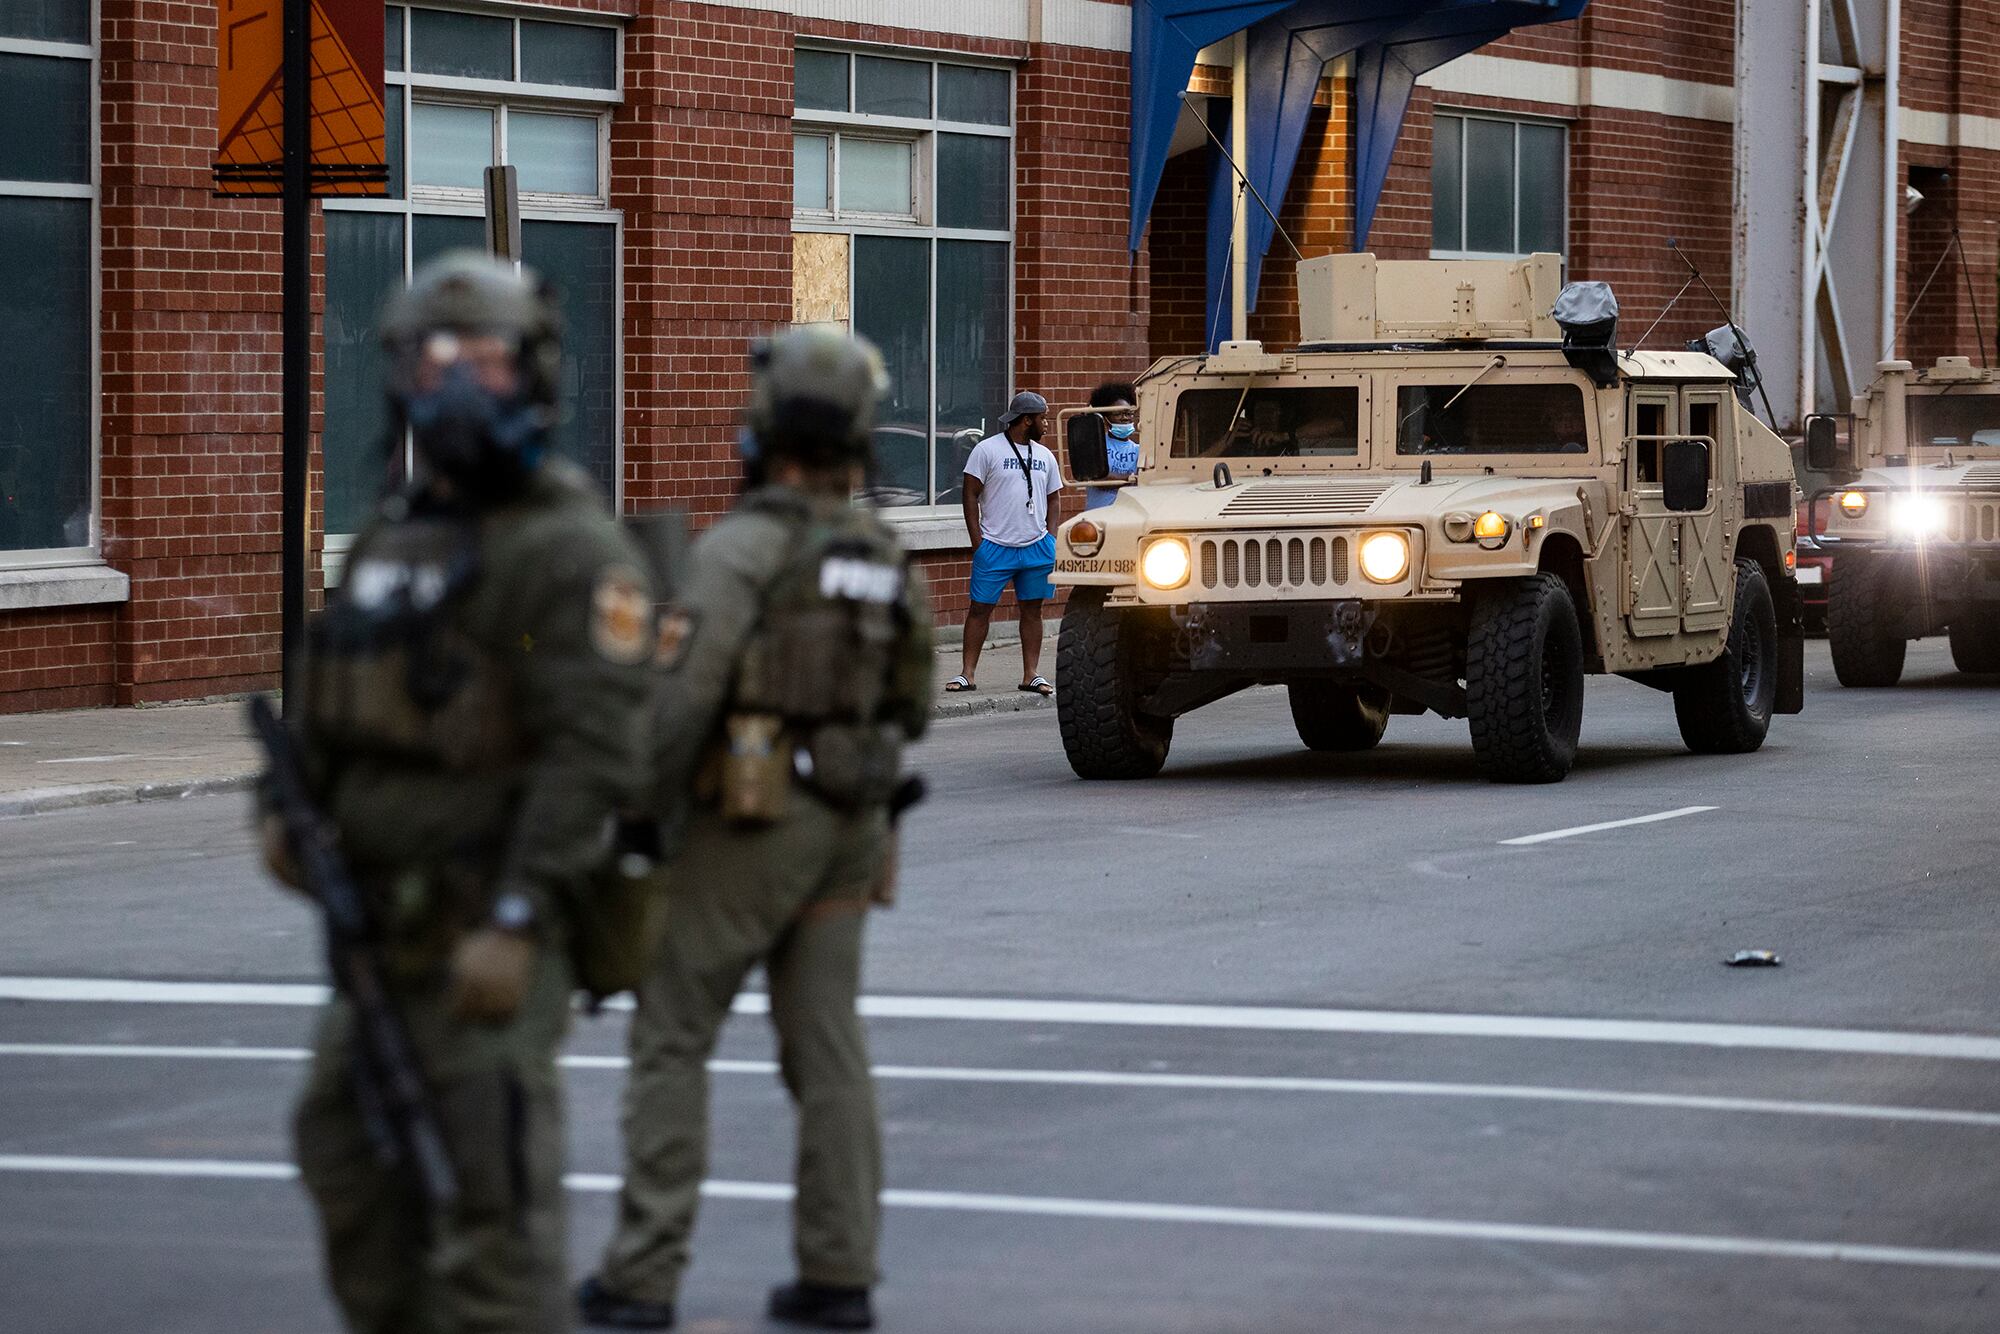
<point>37,801</point>
<point>42,800</point>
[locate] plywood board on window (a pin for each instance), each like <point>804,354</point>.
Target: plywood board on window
<point>819,279</point>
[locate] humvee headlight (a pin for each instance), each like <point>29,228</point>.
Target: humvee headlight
<point>1085,538</point>
<point>1492,529</point>
<point>1854,504</point>
<point>1165,563</point>
<point>1385,557</point>
<point>1917,516</point>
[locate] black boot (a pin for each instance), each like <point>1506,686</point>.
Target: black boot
<point>599,1305</point>
<point>822,1306</point>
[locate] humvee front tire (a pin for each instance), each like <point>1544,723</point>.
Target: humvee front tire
<point>1331,716</point>
<point>1859,597</point>
<point>1524,680</point>
<point>1103,732</point>
<point>1724,707</point>
<point>1975,641</point>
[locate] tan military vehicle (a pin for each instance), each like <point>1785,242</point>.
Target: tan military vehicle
<point>1442,500</point>
<point>1915,527</point>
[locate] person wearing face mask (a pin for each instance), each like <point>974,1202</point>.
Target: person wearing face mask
<point>1010,484</point>
<point>1116,400</point>
<point>470,716</point>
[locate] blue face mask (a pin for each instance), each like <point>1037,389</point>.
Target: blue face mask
<point>1123,431</point>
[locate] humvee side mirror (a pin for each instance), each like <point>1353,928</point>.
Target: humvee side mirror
<point>1684,475</point>
<point>1089,459</point>
<point>1823,451</point>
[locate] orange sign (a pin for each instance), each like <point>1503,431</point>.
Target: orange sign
<point>346,93</point>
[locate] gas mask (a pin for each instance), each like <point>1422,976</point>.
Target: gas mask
<point>485,443</point>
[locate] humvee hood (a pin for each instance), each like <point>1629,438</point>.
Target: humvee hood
<point>1321,501</point>
<point>1980,475</point>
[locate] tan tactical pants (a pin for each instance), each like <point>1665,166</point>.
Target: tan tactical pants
<point>495,1263</point>
<point>792,897</point>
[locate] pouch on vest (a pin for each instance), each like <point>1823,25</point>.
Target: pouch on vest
<point>854,767</point>
<point>756,769</point>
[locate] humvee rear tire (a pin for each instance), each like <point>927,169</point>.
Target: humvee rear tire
<point>1331,716</point>
<point>1724,707</point>
<point>1103,732</point>
<point>1858,600</point>
<point>1524,680</point>
<point>1975,641</point>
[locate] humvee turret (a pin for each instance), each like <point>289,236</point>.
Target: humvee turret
<point>1442,500</point>
<point>1914,526</point>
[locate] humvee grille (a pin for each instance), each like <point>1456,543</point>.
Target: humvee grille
<point>1326,497</point>
<point>1273,562</point>
<point>1973,521</point>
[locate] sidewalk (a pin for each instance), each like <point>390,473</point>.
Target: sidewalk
<point>95,757</point>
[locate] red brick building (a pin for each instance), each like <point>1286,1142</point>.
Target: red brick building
<point>948,177</point>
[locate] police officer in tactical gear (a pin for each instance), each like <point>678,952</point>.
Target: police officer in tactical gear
<point>793,669</point>
<point>470,700</point>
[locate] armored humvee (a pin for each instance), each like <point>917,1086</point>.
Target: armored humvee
<point>1442,500</point>
<point>1915,525</point>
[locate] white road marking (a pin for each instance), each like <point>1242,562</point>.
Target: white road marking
<point>87,759</point>
<point>1125,1079</point>
<point>1151,1014</point>
<point>1552,835</point>
<point>1135,1211</point>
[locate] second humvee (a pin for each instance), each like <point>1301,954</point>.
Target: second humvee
<point>1914,525</point>
<point>1444,499</point>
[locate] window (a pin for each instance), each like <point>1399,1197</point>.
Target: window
<point>465,92</point>
<point>48,346</point>
<point>1491,419</point>
<point>1498,187</point>
<point>1320,422</point>
<point>902,197</point>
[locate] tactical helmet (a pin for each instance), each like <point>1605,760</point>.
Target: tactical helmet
<point>813,394</point>
<point>481,438</point>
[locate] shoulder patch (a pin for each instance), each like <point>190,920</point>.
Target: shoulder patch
<point>620,617</point>
<point>676,629</point>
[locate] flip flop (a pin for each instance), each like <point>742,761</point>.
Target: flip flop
<point>1039,686</point>
<point>958,685</point>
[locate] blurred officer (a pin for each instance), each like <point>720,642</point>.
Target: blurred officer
<point>470,699</point>
<point>795,666</point>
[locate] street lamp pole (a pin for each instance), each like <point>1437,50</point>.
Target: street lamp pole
<point>296,288</point>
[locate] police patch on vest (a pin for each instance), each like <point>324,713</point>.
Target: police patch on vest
<point>853,580</point>
<point>621,617</point>
<point>676,629</point>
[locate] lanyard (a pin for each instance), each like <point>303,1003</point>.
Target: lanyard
<point>1027,473</point>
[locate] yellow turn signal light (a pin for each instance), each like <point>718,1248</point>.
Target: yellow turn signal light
<point>1085,538</point>
<point>1165,563</point>
<point>1492,529</point>
<point>1385,557</point>
<point>1854,504</point>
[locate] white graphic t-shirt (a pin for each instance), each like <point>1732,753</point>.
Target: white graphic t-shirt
<point>1013,509</point>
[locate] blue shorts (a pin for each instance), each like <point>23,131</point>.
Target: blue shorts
<point>1027,568</point>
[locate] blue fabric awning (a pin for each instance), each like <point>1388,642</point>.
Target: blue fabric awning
<point>1291,42</point>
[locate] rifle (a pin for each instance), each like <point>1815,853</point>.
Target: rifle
<point>389,1083</point>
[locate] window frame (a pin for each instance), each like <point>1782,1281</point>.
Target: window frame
<point>923,132</point>
<point>1515,122</point>
<point>500,96</point>
<point>92,551</point>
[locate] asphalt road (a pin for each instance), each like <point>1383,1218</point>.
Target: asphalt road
<point>1275,1041</point>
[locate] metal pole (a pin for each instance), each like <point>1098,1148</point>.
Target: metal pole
<point>1239,245</point>
<point>296,296</point>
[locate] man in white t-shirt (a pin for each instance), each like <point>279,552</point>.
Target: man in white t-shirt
<point>1009,480</point>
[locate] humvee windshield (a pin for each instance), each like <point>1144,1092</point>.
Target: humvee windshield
<point>1954,420</point>
<point>1491,419</point>
<point>1314,421</point>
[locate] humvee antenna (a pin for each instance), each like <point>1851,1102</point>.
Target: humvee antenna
<point>1742,339</point>
<point>1227,157</point>
<point>1918,300</point>
<point>1971,298</point>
